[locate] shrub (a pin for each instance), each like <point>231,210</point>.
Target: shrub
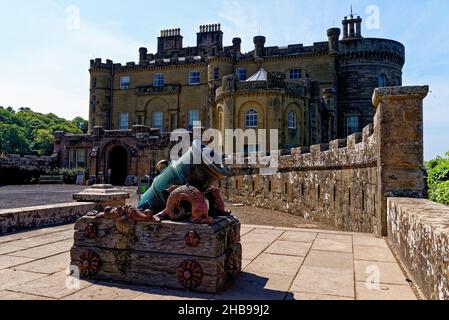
<point>438,179</point>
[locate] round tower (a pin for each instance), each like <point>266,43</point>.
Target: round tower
<point>364,64</point>
<point>259,46</point>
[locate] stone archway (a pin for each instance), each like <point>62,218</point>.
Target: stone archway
<point>118,164</point>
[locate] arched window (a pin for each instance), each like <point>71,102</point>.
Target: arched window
<point>382,81</point>
<point>292,120</point>
<point>251,118</point>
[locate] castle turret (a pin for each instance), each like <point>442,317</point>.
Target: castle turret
<point>100,93</point>
<point>143,52</point>
<point>259,46</point>
<point>237,45</point>
<point>333,35</point>
<point>170,41</point>
<point>345,24</point>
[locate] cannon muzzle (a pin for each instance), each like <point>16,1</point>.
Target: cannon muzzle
<point>201,176</point>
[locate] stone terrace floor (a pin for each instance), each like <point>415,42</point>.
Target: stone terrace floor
<point>279,263</point>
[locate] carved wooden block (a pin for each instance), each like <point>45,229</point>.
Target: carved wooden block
<point>178,255</point>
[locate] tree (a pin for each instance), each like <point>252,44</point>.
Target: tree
<point>81,124</point>
<point>43,142</point>
<point>13,139</point>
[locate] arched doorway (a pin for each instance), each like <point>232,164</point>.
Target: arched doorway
<point>118,164</point>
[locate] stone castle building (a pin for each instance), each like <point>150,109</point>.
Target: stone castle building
<point>311,94</point>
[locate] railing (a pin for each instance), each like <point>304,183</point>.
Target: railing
<point>148,90</point>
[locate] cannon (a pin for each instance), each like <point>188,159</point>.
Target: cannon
<point>183,187</point>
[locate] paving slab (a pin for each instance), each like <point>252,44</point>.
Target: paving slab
<point>308,237</point>
<point>373,254</point>
<point>333,260</point>
<point>45,251</point>
<point>49,265</point>
<point>9,295</point>
<point>335,245</point>
<point>9,261</point>
<point>382,272</point>
<point>369,241</point>
<point>327,281</point>
<point>384,292</point>
<point>258,287</point>
<point>107,291</point>
<point>290,248</point>
<point>53,286</point>
<point>10,278</point>
<point>304,296</point>
<point>276,264</point>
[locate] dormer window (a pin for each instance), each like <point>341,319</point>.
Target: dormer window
<point>158,80</point>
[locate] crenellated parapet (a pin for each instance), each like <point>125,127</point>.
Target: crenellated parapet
<point>346,182</point>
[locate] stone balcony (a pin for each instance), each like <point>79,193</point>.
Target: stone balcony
<point>153,90</point>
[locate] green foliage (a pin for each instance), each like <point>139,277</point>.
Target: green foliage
<point>70,174</point>
<point>438,179</point>
<point>13,139</point>
<point>30,133</point>
<point>81,124</point>
<point>43,142</point>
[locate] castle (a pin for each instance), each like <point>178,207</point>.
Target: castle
<point>311,94</point>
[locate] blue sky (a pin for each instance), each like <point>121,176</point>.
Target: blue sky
<point>44,63</point>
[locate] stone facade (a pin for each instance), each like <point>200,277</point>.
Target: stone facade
<point>311,94</point>
<point>346,182</point>
<point>113,156</point>
<point>419,232</point>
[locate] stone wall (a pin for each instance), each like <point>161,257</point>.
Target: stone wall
<point>419,232</point>
<point>15,220</point>
<point>346,183</point>
<point>16,169</point>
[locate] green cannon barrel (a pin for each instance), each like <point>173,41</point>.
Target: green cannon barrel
<point>182,172</point>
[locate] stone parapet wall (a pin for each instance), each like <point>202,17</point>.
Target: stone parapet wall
<point>346,183</point>
<point>15,220</point>
<point>419,232</point>
<point>333,183</point>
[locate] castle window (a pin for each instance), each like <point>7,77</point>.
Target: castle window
<point>216,74</point>
<point>352,125</point>
<point>292,120</point>
<point>194,116</point>
<point>194,78</point>
<point>94,122</point>
<point>158,80</point>
<point>295,74</point>
<point>251,118</point>
<point>241,74</point>
<point>140,120</point>
<point>158,121</point>
<point>382,81</point>
<point>125,82</point>
<point>94,104</point>
<point>124,121</point>
<point>94,83</point>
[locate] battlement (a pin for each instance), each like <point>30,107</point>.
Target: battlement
<point>346,182</point>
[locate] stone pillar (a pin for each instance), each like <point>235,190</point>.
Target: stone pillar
<point>103,195</point>
<point>345,24</point>
<point>398,128</point>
